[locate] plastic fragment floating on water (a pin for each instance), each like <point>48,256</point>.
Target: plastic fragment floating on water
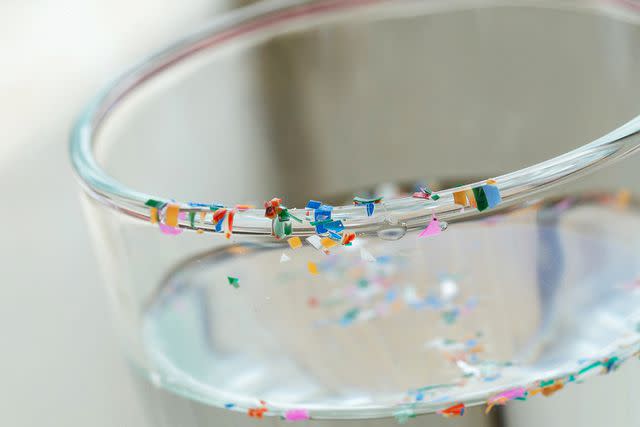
<point>350,316</point>
<point>365,255</point>
<point>229,405</point>
<point>296,415</point>
<point>312,267</point>
<point>234,281</point>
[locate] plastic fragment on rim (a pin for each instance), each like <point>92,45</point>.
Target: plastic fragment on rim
<point>481,198</point>
<point>492,195</point>
<point>432,229</point>
<point>453,411</point>
<point>154,203</point>
<point>348,238</point>
<point>357,200</point>
<point>171,215</point>
<point>328,243</point>
<point>295,242</point>
<point>460,198</point>
<point>315,241</point>
<point>154,215</point>
<point>313,204</point>
<point>229,224</point>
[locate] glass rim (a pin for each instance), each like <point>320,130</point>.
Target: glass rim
<point>278,17</point>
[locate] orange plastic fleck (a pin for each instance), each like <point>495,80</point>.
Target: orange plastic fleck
<point>219,214</point>
<point>153,215</point>
<point>460,198</point>
<point>472,198</point>
<point>230,217</point>
<point>171,215</point>
<point>327,243</point>
<point>548,391</point>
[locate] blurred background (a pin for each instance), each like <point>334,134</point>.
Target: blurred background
<point>61,364</point>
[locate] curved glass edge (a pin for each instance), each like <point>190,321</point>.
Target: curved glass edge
<point>617,354</point>
<point>410,212</point>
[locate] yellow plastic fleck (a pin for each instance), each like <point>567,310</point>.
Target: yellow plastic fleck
<point>295,242</point>
<point>327,243</point>
<point>312,267</point>
<point>171,216</point>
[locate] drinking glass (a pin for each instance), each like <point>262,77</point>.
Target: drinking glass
<point>359,209</point>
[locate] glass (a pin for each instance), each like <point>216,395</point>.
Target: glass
<point>328,100</point>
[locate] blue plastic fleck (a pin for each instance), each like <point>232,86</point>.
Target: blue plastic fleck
<point>313,204</point>
<point>370,208</point>
<point>492,194</point>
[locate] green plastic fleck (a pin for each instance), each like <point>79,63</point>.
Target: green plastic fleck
<point>192,218</point>
<point>234,281</point>
<point>481,199</point>
<point>363,201</point>
<point>321,222</point>
<point>295,217</point>
<point>282,228</point>
<point>154,203</point>
<point>590,367</point>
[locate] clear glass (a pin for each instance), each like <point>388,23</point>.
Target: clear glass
<point>326,100</point>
